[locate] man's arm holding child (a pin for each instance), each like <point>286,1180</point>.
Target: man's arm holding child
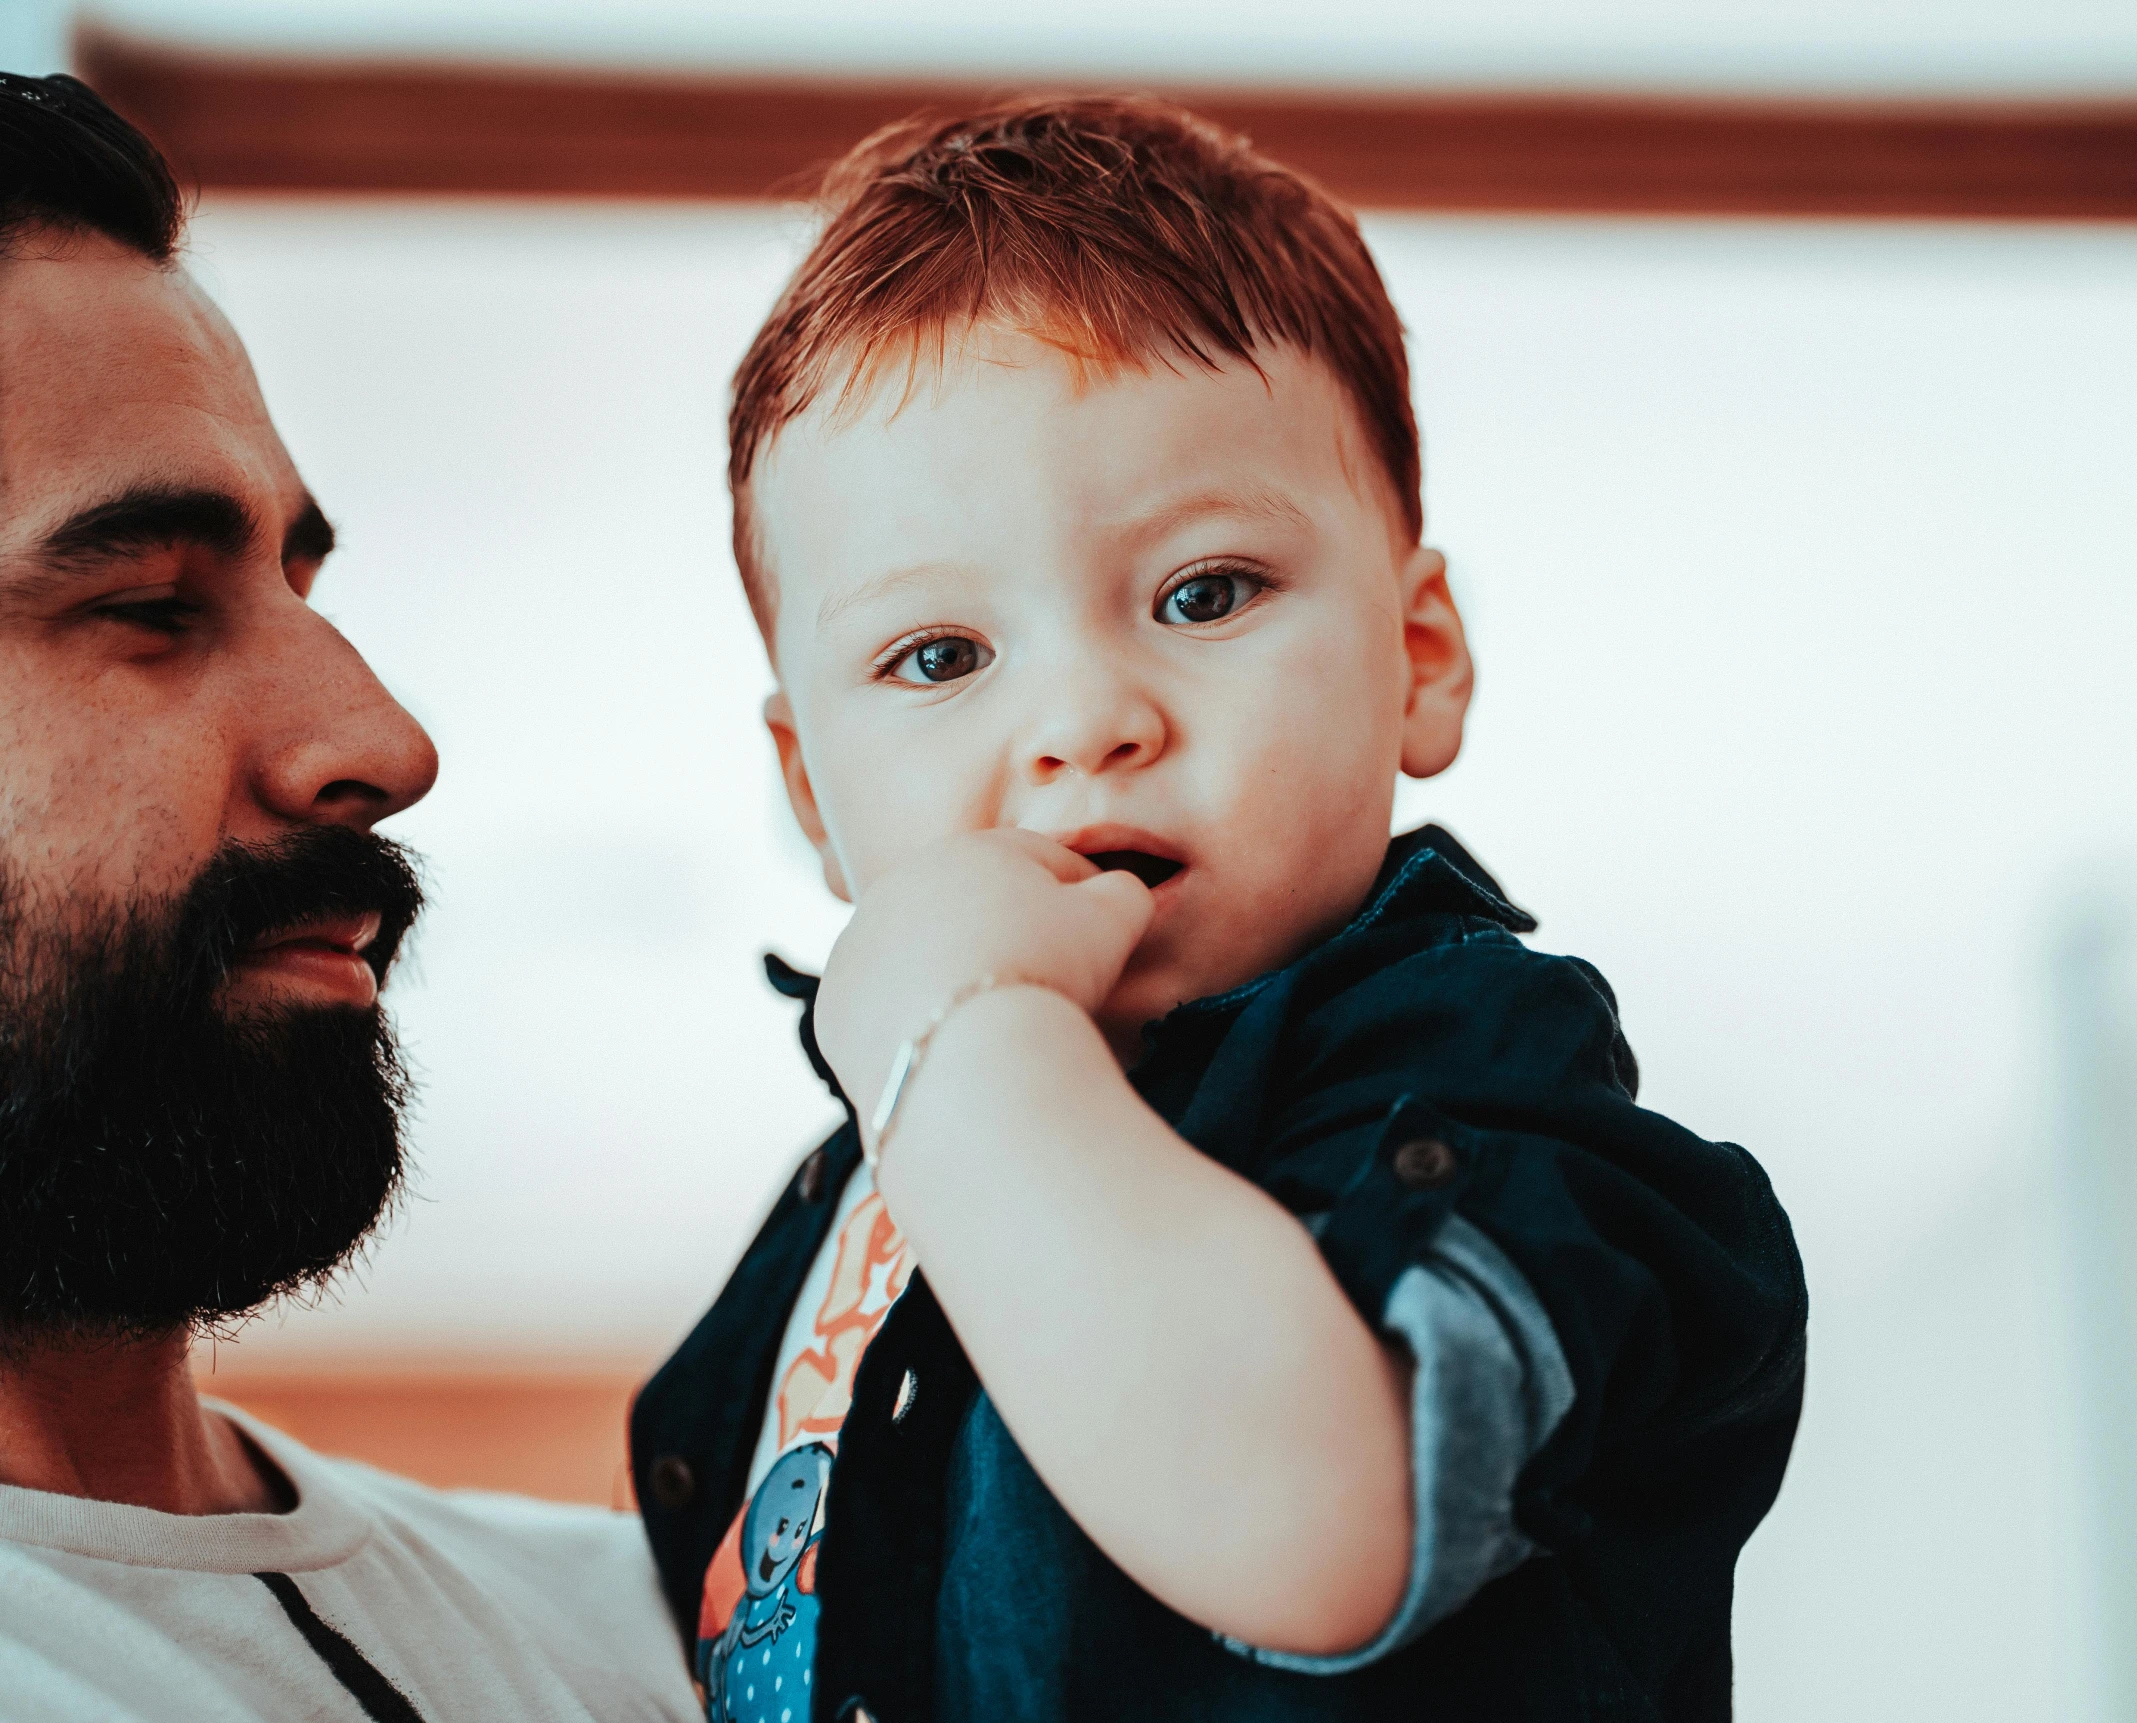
<point>1163,1339</point>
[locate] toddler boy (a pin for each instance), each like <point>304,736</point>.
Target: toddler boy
<point>1244,1286</point>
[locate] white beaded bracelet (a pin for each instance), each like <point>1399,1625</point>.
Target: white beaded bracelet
<point>910,1057</point>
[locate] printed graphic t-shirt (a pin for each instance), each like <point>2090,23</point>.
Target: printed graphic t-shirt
<point>756,1648</point>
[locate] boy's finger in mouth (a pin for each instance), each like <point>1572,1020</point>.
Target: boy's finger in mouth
<point>1125,849</point>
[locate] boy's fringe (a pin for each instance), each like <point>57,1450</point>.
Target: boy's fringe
<point>1122,231</point>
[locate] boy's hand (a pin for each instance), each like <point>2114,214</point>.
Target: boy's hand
<point>1090,1259</point>
<point>1005,903</point>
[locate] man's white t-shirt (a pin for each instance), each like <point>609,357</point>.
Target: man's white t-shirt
<point>474,1606</point>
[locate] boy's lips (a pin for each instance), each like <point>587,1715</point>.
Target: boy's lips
<point>324,955</point>
<point>1129,849</point>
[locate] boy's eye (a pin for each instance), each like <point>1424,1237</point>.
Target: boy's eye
<point>1205,598</point>
<point>948,658</point>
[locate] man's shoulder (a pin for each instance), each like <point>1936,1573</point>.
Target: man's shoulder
<point>494,1519</point>
<point>558,1548</point>
<point>479,1604</point>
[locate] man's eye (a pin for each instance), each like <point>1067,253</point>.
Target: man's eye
<point>160,615</point>
<point>1205,598</point>
<point>948,658</point>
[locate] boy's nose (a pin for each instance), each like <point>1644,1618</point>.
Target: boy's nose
<point>1102,726</point>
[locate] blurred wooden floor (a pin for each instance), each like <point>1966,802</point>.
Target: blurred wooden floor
<point>556,1436</point>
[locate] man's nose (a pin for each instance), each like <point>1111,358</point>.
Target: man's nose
<point>337,748</point>
<point>1092,719</point>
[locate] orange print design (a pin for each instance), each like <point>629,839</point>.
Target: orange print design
<point>867,1275</point>
<point>870,1271</point>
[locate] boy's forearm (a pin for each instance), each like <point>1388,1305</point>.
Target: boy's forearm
<point>1162,1338</point>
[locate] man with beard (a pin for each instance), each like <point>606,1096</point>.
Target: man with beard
<point>199,1094</point>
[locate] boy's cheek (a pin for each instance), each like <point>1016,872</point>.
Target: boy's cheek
<point>881,812</point>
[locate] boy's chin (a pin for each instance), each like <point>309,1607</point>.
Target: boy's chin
<point>1145,994</point>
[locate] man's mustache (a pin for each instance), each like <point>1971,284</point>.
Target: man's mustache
<point>248,893</point>
<point>166,1160</point>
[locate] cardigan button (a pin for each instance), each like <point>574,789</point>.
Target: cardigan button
<point>908,1392</point>
<point>673,1483</point>
<point>809,1183</point>
<point>1424,1164</point>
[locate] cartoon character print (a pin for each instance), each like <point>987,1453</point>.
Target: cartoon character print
<point>756,1650</point>
<point>760,1668</point>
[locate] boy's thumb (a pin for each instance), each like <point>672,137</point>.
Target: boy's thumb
<point>1125,897</point>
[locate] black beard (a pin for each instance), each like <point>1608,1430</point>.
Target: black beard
<point>166,1164</point>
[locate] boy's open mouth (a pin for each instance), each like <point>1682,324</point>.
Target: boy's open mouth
<point>1152,870</point>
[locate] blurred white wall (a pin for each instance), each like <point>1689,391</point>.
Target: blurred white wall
<point>2095,1125</point>
<point>1799,564</point>
<point>33,36</point>
<point>1912,45</point>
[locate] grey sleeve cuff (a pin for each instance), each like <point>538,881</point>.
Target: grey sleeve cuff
<point>1490,1386</point>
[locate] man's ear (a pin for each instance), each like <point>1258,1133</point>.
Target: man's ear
<point>801,794</point>
<point>1441,675</point>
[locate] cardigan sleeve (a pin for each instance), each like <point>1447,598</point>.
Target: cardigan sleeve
<point>1488,1385</point>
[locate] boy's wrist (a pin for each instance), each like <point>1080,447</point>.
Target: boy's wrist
<point>1012,998</point>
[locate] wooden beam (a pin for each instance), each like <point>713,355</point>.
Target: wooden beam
<point>558,1435</point>
<point>310,126</point>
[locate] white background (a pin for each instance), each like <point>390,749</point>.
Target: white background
<point>1798,562</point>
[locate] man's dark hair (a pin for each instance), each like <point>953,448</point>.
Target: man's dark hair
<point>67,161</point>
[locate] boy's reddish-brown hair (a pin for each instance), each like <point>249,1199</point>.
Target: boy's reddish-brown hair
<point>1122,231</point>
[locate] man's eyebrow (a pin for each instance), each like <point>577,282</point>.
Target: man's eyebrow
<point>310,537</point>
<point>149,517</point>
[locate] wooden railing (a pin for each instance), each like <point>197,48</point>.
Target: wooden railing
<point>314,126</point>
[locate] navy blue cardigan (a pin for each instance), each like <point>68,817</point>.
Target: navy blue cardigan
<point>1419,1063</point>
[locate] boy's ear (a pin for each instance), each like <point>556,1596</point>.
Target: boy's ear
<point>1441,675</point>
<point>801,794</point>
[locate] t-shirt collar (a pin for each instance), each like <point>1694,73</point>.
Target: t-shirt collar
<point>325,1528</point>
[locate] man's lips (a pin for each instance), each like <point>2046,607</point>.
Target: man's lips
<point>351,934</point>
<point>1128,849</point>
<point>324,954</point>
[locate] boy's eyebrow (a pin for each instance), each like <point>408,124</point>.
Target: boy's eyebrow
<point>1219,500</point>
<point>1168,517</point>
<point>874,587</point>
